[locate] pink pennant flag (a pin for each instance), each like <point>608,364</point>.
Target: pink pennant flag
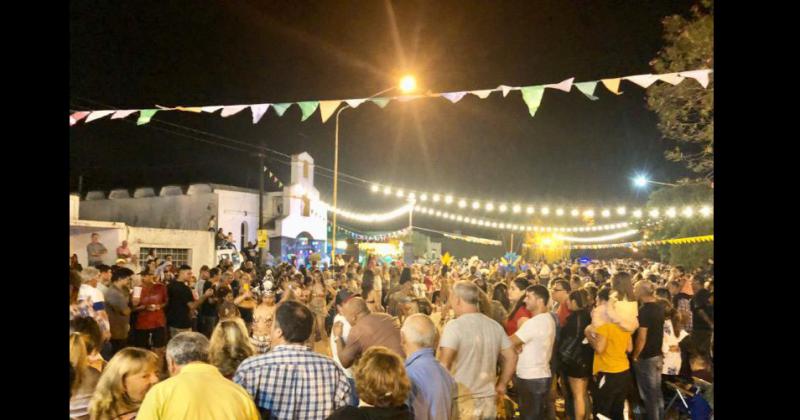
<point>671,78</point>
<point>123,114</point>
<point>231,110</point>
<point>326,109</point>
<point>700,75</point>
<point>95,115</point>
<point>258,111</point>
<point>643,80</point>
<point>483,94</point>
<point>505,89</point>
<point>565,86</point>
<point>211,109</point>
<point>612,85</point>
<point>354,103</point>
<point>454,96</point>
<point>77,116</point>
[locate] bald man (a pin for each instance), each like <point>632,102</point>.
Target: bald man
<point>368,329</point>
<point>433,389</point>
<point>647,356</point>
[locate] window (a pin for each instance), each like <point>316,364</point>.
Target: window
<point>180,256</point>
<point>306,207</point>
<point>305,169</point>
<point>243,237</point>
<point>278,206</point>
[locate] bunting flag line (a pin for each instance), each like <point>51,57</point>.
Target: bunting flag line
<point>531,95</point>
<point>373,237</point>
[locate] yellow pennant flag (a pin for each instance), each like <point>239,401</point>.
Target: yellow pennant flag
<point>612,85</point>
<point>326,109</point>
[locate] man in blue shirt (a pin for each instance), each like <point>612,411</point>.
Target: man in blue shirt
<point>433,389</point>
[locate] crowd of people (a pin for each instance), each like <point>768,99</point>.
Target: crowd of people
<point>470,340</point>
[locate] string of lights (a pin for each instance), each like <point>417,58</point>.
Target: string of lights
<point>611,237</point>
<point>368,218</point>
<point>636,244</point>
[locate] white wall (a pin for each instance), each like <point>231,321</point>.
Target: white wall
<point>170,212</point>
<point>74,207</point>
<point>201,243</point>
<point>234,208</point>
<point>80,236</point>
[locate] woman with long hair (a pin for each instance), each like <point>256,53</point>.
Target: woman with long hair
<point>519,314</point>
<point>500,294</point>
<point>81,344</point>
<point>319,307</point>
<point>576,358</point>
<point>123,384</point>
<point>263,316</point>
<point>229,346</point>
<point>368,292</point>
<point>93,338</point>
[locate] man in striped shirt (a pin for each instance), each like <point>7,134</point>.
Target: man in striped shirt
<point>291,381</point>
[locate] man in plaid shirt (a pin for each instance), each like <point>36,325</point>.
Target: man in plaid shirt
<point>291,381</point>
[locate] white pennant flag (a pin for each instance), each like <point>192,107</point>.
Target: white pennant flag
<point>211,108</point>
<point>505,89</point>
<point>227,111</point>
<point>483,94</point>
<point>700,75</point>
<point>565,86</point>
<point>643,80</point>
<point>97,115</point>
<point>454,96</point>
<point>354,103</point>
<point>671,78</point>
<point>326,109</point>
<point>258,111</point>
<point>123,114</point>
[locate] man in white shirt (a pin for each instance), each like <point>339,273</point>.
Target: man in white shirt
<point>89,293</point>
<point>536,336</point>
<point>469,349</point>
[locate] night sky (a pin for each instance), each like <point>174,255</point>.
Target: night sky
<point>194,53</point>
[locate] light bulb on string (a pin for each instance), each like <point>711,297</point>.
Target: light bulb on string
<point>387,191</point>
<point>688,212</point>
<point>436,198</point>
<point>621,211</point>
<point>400,193</point>
<point>462,203</point>
<point>575,213</point>
<point>517,208</point>
<point>503,208</point>
<point>606,213</point>
<point>375,188</point>
<point>637,213</point>
<point>529,210</point>
<point>559,212</point>
<point>489,207</point>
<point>448,199</point>
<point>545,211</point>
<point>476,205</point>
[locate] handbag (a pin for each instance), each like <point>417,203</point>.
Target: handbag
<point>570,353</point>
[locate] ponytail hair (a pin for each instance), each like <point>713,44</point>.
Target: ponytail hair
<point>78,358</point>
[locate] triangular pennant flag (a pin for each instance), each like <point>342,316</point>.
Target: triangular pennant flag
<point>454,96</point>
<point>189,109</point>
<point>505,89</point>
<point>532,95</point>
<point>381,102</point>
<point>280,109</point>
<point>97,115</point>
<point>123,113</point>
<point>587,88</point>
<point>354,103</point>
<point>231,110</point>
<point>700,75</point>
<point>258,111</point>
<point>643,80</point>
<point>612,85</point>
<point>77,116</point>
<point>308,108</point>
<point>565,86</point>
<point>211,109</point>
<point>483,94</point>
<point>145,115</point>
<point>671,78</point>
<point>326,109</point>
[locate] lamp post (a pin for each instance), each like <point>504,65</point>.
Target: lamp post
<point>407,84</point>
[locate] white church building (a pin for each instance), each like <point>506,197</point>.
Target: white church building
<point>295,219</point>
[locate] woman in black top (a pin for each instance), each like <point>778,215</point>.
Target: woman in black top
<point>575,356</point>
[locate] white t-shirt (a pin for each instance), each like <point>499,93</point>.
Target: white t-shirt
<point>477,340</point>
<point>345,332</point>
<point>538,335</point>
<point>93,295</point>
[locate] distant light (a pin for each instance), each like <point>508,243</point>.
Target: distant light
<point>529,210</point>
<point>517,208</point>
<point>640,181</point>
<point>575,212</point>
<point>448,199</point>
<point>654,213</point>
<point>621,211</point>
<point>503,208</point>
<point>489,207</point>
<point>400,193</point>
<point>589,213</point>
<point>375,187</point>
<point>545,211</point>
<point>476,205</point>
<point>436,198</point>
<point>606,213</point>
<point>462,203</point>
<point>387,191</point>
<point>637,213</point>
<point>424,197</point>
<point>559,212</point>
<point>672,212</point>
<point>408,83</point>
<point>705,211</point>
<point>412,196</point>
<point>688,212</point>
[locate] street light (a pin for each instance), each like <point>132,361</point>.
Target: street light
<point>641,181</point>
<point>407,85</point>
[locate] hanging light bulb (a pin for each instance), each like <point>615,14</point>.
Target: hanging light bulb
<point>705,211</point>
<point>575,213</point>
<point>654,213</point>
<point>637,213</point>
<point>400,193</point>
<point>375,188</point>
<point>476,205</point>
<point>448,199</point>
<point>529,210</point>
<point>436,198</point>
<point>621,211</point>
<point>545,211</point>
<point>503,208</point>
<point>606,213</point>
<point>423,197</point>
<point>489,207</point>
<point>517,208</point>
<point>671,212</point>
<point>559,212</point>
<point>688,212</point>
<point>462,203</point>
<point>387,191</point>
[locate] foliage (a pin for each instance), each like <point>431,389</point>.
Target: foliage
<point>686,111</point>
<point>695,194</point>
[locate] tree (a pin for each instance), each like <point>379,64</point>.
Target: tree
<point>689,255</point>
<point>686,111</point>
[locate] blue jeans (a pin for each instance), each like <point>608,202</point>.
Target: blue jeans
<point>533,396</point>
<point>354,399</point>
<point>648,378</point>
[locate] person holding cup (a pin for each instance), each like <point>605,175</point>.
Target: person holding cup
<point>151,322</point>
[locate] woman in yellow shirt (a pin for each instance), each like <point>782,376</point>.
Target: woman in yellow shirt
<point>611,367</point>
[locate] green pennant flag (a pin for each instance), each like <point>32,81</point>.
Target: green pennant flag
<point>532,95</point>
<point>587,88</point>
<point>381,102</point>
<point>308,108</point>
<point>280,109</point>
<point>145,115</point>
